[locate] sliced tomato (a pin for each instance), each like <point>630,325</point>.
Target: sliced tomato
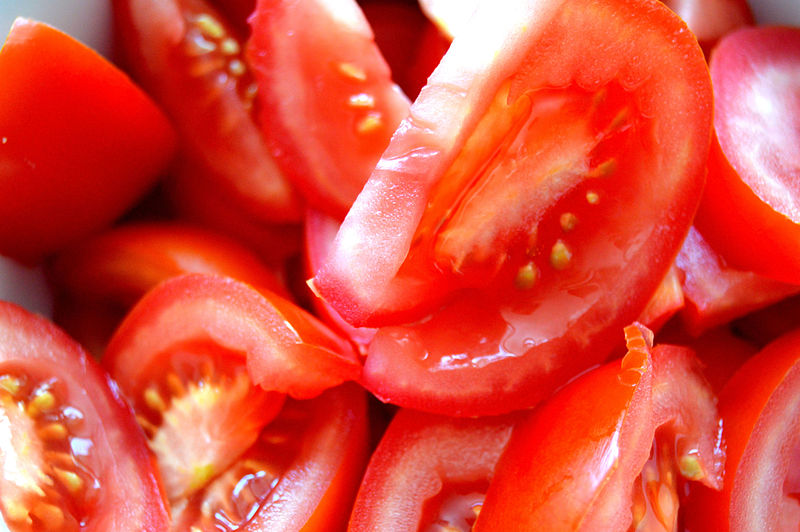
<point>99,279</point>
<point>667,300</point>
<point>754,166</point>
<point>320,230</point>
<point>429,472</point>
<point>79,142</point>
<point>715,292</point>
<point>327,103</point>
<point>191,60</point>
<point>710,20</point>
<point>513,226</point>
<point>606,452</point>
<point>763,326</point>
<point>73,456</point>
<point>760,409</point>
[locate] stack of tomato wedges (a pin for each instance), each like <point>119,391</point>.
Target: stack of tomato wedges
<point>319,265</point>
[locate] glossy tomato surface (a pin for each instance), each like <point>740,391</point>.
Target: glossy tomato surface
<point>73,456</point>
<point>513,226</point>
<point>79,142</point>
<point>754,166</point>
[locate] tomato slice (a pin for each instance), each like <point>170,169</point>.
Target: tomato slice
<point>497,274</point>
<point>100,278</point>
<point>760,409</point>
<point>73,457</point>
<point>69,119</point>
<point>754,167</point>
<point>717,293</point>
<point>327,103</point>
<point>626,428</point>
<point>191,60</point>
<point>430,472</point>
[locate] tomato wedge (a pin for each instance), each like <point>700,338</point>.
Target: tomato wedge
<point>754,167</point>
<point>429,472</point>
<point>606,451</point>
<point>79,142</point>
<point>760,409</point>
<point>514,224</point>
<point>191,60</point>
<point>327,103</point>
<point>717,293</point>
<point>73,457</point>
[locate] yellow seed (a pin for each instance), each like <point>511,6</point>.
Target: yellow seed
<point>49,514</point>
<point>210,26</point>
<point>201,474</point>
<point>175,385</point>
<point>10,384</point>
<point>251,91</point>
<point>368,124</point>
<point>568,221</point>
<point>154,400</point>
<point>197,45</point>
<point>351,71</point>
<point>58,458</point>
<point>69,479</point>
<point>620,119</point>
<point>363,101</point>
<point>690,467</point>
<point>149,429</point>
<point>560,255</point>
<point>592,197</point>
<point>604,169</point>
<point>477,509</point>
<point>237,67</point>
<point>230,46</point>
<point>53,431</point>
<point>43,401</point>
<point>526,276</point>
<point>15,511</point>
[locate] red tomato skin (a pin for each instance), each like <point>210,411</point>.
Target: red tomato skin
<point>327,104</point>
<point>175,56</point>
<point>761,417</point>
<point>571,464</point>
<point>132,498</point>
<point>752,167</point>
<point>419,456</point>
<point>286,349</point>
<point>80,144</point>
<point>715,292</point>
<point>314,494</point>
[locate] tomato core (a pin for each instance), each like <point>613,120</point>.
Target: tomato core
<point>47,481</point>
<point>208,393</point>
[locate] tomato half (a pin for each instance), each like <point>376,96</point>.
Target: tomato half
<point>79,142</point>
<point>754,166</point>
<point>760,409</point>
<point>514,225</point>
<point>429,472</point>
<point>73,457</point>
<point>327,103</point>
<point>191,60</point>
<point>717,293</point>
<point>606,452</point>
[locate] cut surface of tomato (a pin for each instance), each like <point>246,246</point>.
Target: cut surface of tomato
<point>754,166</point>
<point>192,61</point>
<point>605,452</point>
<point>514,224</point>
<point>430,472</point>
<point>73,457</point>
<point>328,105</point>
<point>79,142</point>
